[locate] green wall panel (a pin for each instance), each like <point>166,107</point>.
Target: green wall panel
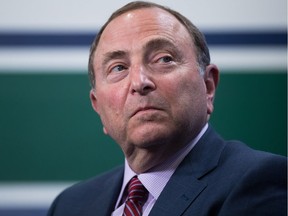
<point>253,108</point>
<point>48,130</point>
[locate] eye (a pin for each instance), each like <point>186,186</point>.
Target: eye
<point>118,68</point>
<point>165,59</point>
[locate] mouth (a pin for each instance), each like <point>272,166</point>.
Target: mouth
<point>145,110</point>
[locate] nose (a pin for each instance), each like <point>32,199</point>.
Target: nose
<point>141,82</point>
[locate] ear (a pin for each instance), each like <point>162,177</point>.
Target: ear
<point>93,99</point>
<point>211,78</point>
<point>105,131</point>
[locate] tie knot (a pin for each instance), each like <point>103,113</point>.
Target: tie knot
<point>136,191</point>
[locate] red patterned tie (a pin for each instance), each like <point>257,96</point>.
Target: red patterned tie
<point>137,195</point>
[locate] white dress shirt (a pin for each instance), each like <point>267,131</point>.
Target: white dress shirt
<point>156,179</point>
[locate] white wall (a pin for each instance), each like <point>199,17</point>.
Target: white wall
<point>87,15</point>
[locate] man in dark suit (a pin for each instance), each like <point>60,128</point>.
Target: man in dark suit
<point>153,87</point>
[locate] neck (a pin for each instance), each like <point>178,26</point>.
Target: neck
<point>142,159</point>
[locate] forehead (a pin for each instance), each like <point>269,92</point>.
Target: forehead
<point>136,27</point>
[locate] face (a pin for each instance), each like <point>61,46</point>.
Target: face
<point>149,93</point>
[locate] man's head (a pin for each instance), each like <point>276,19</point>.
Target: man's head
<point>148,90</point>
<point>202,51</point>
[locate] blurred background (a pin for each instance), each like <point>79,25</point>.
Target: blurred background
<point>51,138</point>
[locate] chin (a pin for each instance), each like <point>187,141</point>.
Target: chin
<point>151,137</point>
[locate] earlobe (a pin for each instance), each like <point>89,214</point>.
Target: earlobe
<point>93,100</point>
<point>105,131</point>
<point>211,78</point>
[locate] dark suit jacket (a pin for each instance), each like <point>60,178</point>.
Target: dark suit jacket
<point>216,178</point>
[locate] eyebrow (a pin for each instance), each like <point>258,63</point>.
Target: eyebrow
<point>158,44</point>
<point>117,54</point>
<point>154,44</point>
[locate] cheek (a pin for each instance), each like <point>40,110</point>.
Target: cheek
<point>111,110</point>
<point>187,96</point>
<point>108,105</point>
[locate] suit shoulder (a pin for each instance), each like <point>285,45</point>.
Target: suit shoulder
<point>259,179</point>
<point>79,198</point>
<point>253,165</point>
<point>238,151</point>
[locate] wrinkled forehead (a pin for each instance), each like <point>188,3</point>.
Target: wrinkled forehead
<point>151,15</point>
<point>139,24</point>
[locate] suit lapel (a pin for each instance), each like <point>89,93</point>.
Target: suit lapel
<point>177,196</point>
<point>104,201</point>
<point>108,201</point>
<point>185,184</point>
